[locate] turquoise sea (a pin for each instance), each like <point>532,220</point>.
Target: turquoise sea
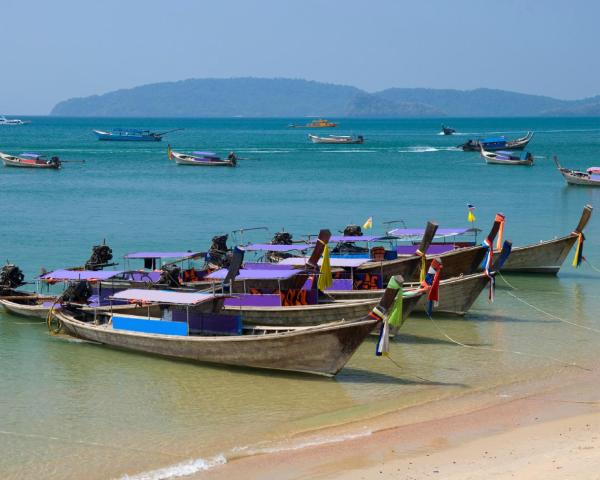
<point>75,410</point>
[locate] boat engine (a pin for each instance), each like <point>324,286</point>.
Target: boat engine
<point>349,247</point>
<point>280,238</point>
<point>218,255</point>
<point>11,277</point>
<point>101,255</point>
<point>77,293</point>
<point>169,276</point>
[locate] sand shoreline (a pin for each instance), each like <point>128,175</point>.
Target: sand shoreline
<point>544,428</point>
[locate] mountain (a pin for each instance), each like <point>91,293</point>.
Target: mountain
<point>281,97</point>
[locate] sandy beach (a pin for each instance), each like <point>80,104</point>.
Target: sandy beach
<point>549,428</point>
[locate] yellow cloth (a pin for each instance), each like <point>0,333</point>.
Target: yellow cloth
<point>368,224</point>
<point>325,278</point>
<point>471,216</point>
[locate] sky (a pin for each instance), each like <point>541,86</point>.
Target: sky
<point>54,50</point>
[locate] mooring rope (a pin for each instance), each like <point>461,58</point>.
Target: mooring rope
<point>538,309</point>
<point>500,350</point>
<point>388,356</point>
<point>590,264</point>
<point>507,282</point>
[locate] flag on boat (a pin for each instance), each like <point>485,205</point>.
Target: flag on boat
<point>325,278</point>
<point>368,224</point>
<point>471,215</point>
<point>169,152</point>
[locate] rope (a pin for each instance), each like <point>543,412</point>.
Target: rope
<point>499,350</point>
<point>591,266</point>
<point>591,329</point>
<point>506,281</point>
<point>402,369</point>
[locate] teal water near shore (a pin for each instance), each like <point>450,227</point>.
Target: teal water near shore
<point>71,410</point>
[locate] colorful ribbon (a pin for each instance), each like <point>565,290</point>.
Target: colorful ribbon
<point>577,259</point>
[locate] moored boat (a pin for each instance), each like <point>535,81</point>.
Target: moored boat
<point>448,130</point>
<point>590,178</point>
<point>496,143</point>
<point>30,160</point>
<point>549,255</point>
<point>206,159</point>
<point>184,333</point>
<point>502,157</point>
<point>337,139</point>
<point>131,135</point>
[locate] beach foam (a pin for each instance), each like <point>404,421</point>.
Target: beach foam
<point>177,470</point>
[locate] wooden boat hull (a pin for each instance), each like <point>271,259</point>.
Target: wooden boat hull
<point>24,310</point>
<point>457,294</point>
<point>461,261</point>
<point>110,137</point>
<point>574,179</point>
<point>320,350</point>
<point>336,141</point>
<point>544,257</point>
<point>345,309</point>
<point>12,161</point>
<point>181,159</point>
<point>492,159</point>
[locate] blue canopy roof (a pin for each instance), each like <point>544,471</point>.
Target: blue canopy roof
<point>493,140</point>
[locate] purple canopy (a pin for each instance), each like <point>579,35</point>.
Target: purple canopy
<point>62,275</point>
<point>163,296</point>
<point>255,274</point>
<point>343,238</point>
<point>205,154</point>
<point>334,262</point>
<point>161,254</point>
<point>30,155</point>
<point>276,248</point>
<point>441,232</point>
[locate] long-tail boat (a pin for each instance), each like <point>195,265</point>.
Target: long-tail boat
<point>547,256</point>
<point>502,157</point>
<point>590,178</point>
<point>321,123</point>
<point>457,261</point>
<point>30,160</point>
<point>184,333</point>
<point>132,135</point>
<point>203,159</point>
<point>496,143</point>
<point>337,139</point>
<point>448,130</point>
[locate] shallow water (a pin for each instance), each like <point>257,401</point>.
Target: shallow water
<point>70,409</point>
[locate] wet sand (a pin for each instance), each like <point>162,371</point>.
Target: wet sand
<point>549,428</point>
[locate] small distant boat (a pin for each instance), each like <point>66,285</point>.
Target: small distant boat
<point>591,177</point>
<point>12,121</point>
<point>506,157</point>
<point>496,143</point>
<point>345,139</point>
<point>206,159</point>
<point>132,135</point>
<point>30,160</point>
<point>447,130</point>
<point>316,124</point>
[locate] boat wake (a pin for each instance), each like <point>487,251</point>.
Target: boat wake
<point>427,149</point>
<point>189,467</point>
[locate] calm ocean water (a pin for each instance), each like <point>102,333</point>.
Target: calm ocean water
<point>72,410</point>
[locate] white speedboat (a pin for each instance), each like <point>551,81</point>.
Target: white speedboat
<point>12,121</point>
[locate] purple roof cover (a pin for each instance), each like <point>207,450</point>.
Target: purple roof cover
<point>205,154</point>
<point>161,254</point>
<point>255,274</point>
<point>30,155</point>
<point>441,232</point>
<point>334,262</point>
<point>343,238</point>
<point>80,275</point>
<point>276,248</point>
<point>163,296</point>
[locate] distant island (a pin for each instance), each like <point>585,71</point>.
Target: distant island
<point>281,97</point>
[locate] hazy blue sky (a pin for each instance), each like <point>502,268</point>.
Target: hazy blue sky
<point>53,50</point>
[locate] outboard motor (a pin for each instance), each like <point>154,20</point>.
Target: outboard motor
<point>101,255</point>
<point>78,292</point>
<point>55,161</point>
<point>280,238</point>
<point>11,277</point>
<point>218,255</point>
<point>349,247</point>
<point>169,276</point>
<point>232,157</point>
